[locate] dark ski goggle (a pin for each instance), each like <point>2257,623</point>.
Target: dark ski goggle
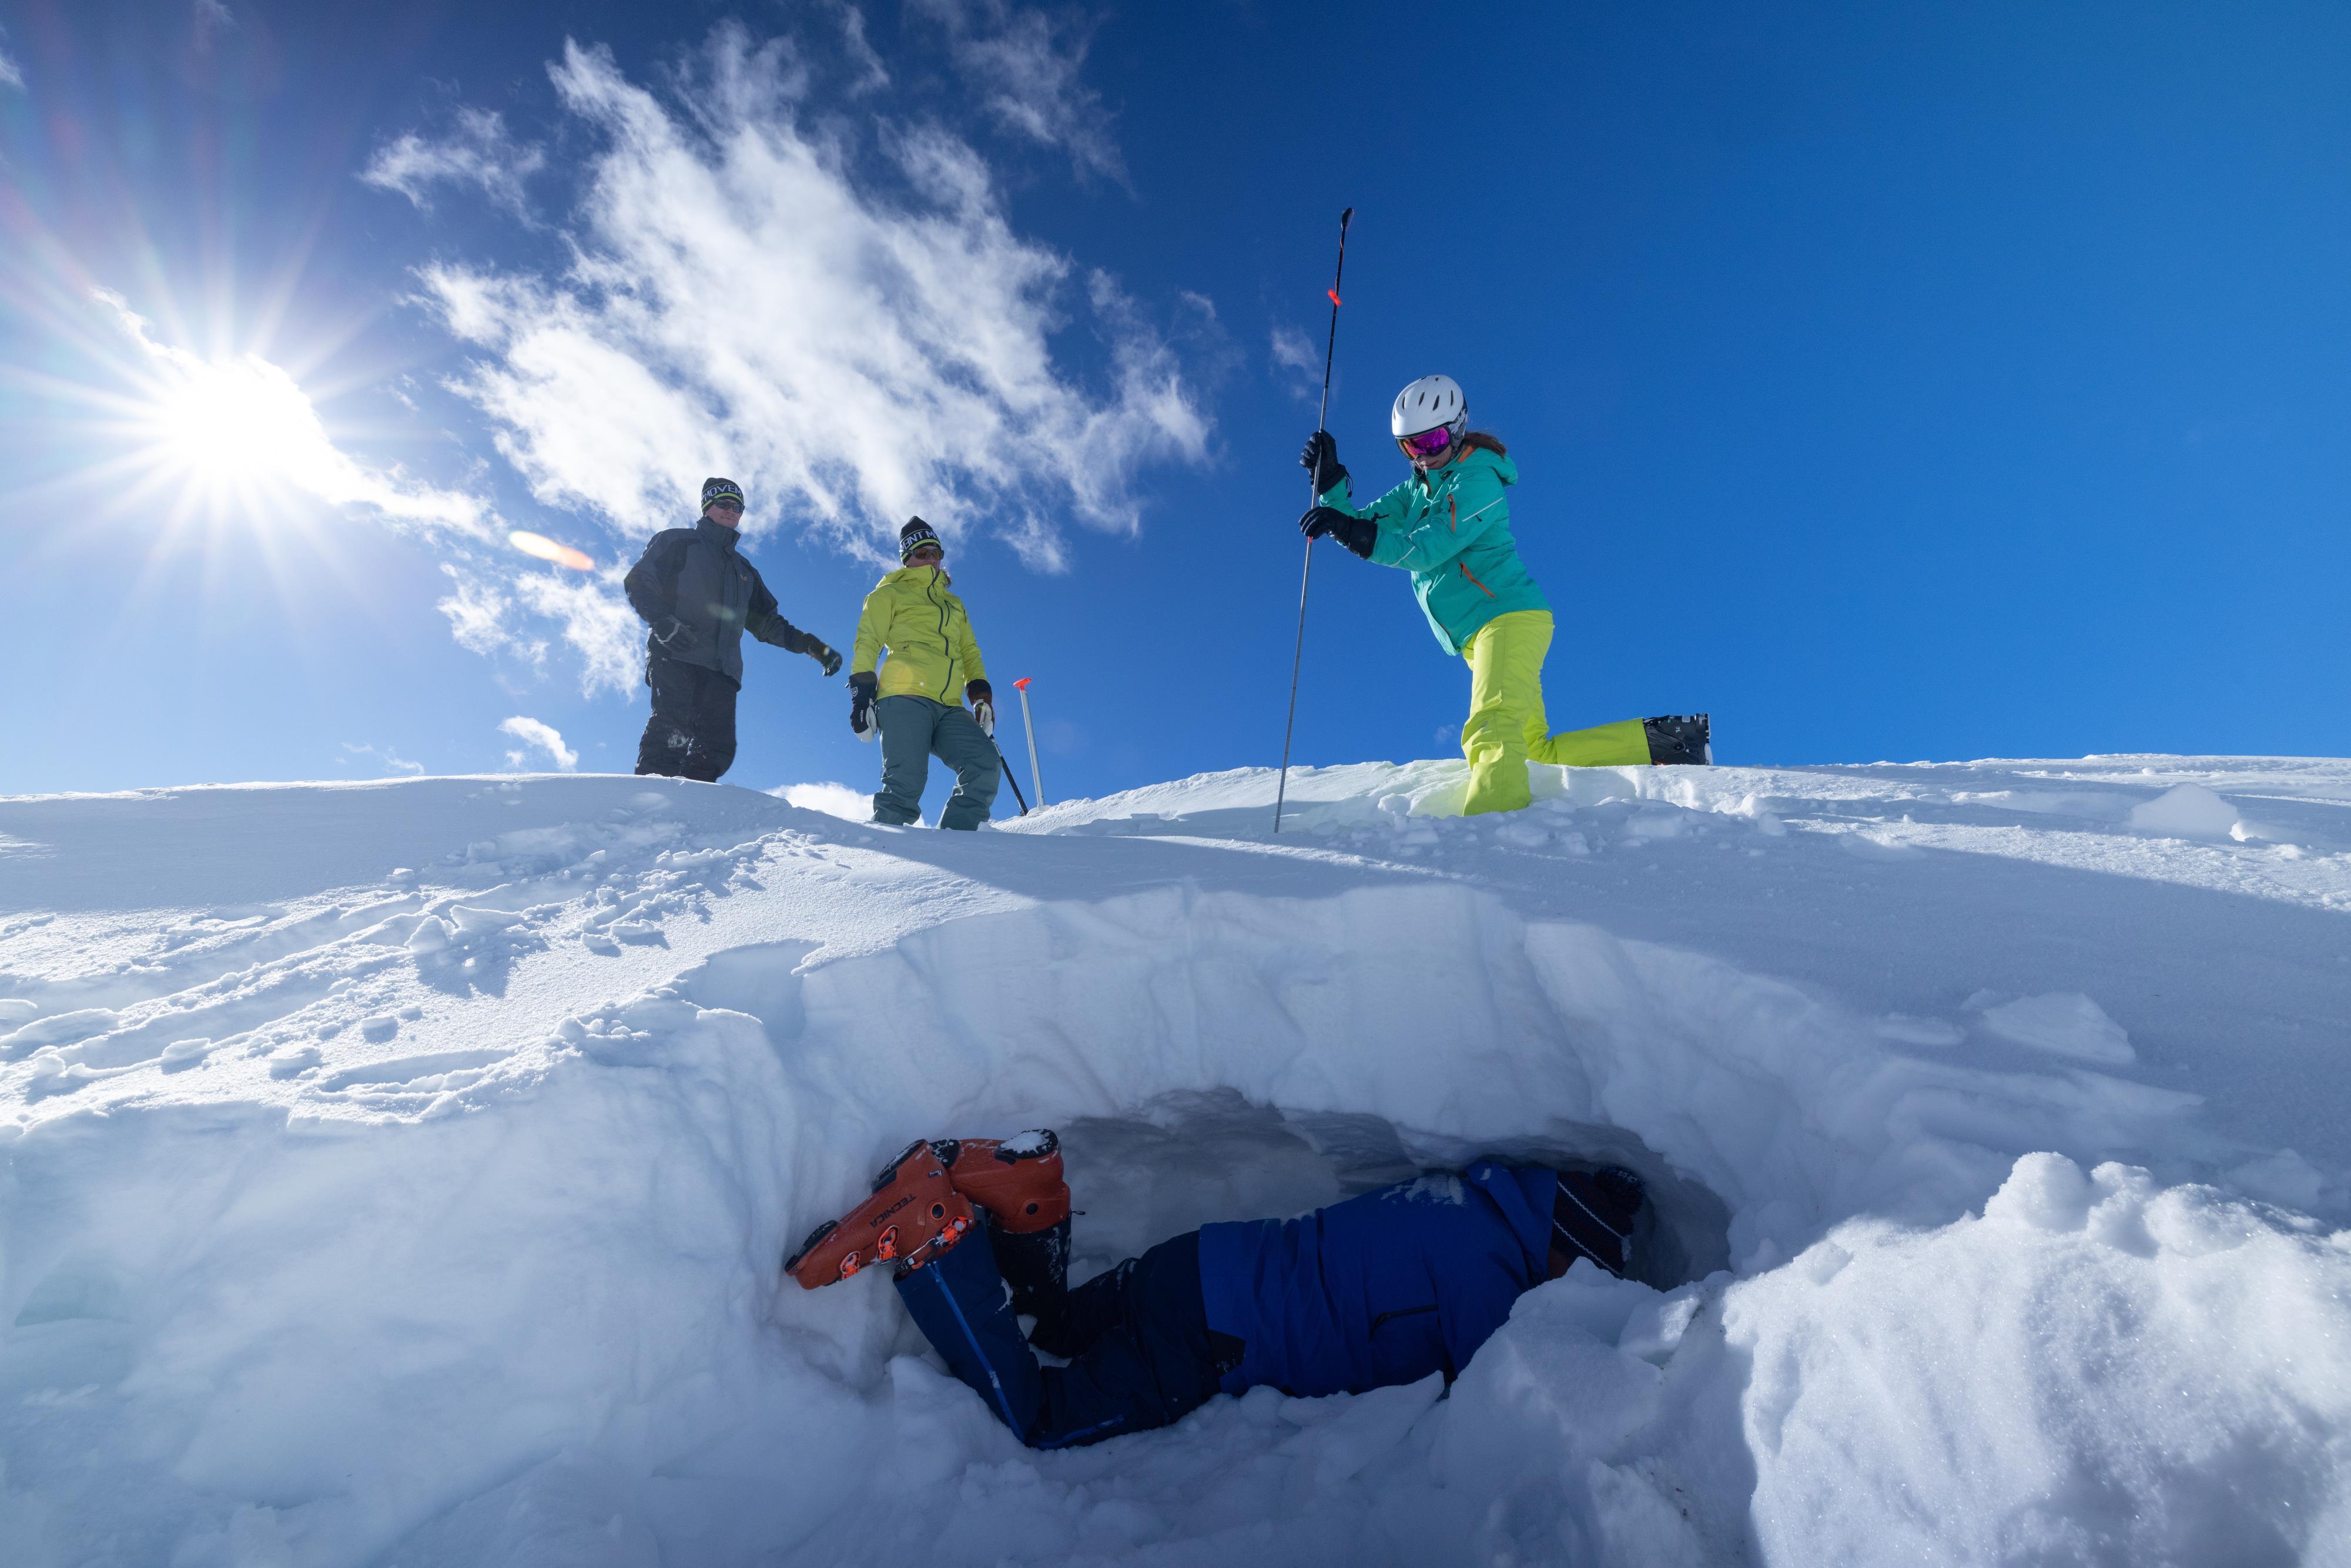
<point>1427,444</point>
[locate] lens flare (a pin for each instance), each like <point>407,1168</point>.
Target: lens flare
<point>546,549</point>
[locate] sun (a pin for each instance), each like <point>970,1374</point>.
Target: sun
<point>230,439</point>
<point>214,448</point>
<point>235,433</point>
<point>241,423</point>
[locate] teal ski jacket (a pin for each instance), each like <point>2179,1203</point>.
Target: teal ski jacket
<point>1451,530</point>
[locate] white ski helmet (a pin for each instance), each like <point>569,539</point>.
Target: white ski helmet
<point>1429,404</point>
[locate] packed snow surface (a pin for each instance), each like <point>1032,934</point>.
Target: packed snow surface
<point>398,1173</point>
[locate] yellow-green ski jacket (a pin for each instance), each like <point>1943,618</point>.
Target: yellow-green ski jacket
<point>932,650</point>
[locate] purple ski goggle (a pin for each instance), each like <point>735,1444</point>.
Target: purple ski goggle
<point>1427,444</point>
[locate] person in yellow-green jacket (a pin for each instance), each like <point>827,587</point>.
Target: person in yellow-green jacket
<point>1450,525</point>
<point>915,702</point>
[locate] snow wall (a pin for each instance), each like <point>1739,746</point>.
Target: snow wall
<point>399,1174</point>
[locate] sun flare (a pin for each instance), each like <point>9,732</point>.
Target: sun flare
<point>241,424</point>
<point>236,438</point>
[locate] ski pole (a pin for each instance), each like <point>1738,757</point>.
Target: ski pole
<point>1002,762</point>
<point>1320,418</point>
<point>1028,727</point>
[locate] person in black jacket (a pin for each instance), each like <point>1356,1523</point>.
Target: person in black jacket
<point>699,596</point>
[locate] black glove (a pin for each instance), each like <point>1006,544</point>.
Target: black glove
<point>1358,534</point>
<point>675,637</point>
<point>982,698</point>
<point>824,656</point>
<point>861,722</point>
<point>1320,459</point>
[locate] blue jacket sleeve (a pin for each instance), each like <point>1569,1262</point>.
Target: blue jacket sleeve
<point>1474,506</point>
<point>1387,509</point>
<point>652,583</point>
<point>766,622</point>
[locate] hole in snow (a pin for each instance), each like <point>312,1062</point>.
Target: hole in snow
<point>1193,1158</point>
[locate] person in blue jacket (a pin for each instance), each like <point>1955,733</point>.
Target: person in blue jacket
<point>1448,525</point>
<point>1382,1289</point>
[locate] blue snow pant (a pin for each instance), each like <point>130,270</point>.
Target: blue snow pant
<point>1144,1356</point>
<point>915,730</point>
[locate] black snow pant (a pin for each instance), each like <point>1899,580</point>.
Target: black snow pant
<point>1143,1354</point>
<point>691,734</point>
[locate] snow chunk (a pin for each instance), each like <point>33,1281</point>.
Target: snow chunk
<point>2064,1023</point>
<point>183,1053</point>
<point>833,800</point>
<point>1366,1428</point>
<point>2187,812</point>
<point>2100,1370</point>
<point>60,1029</point>
<point>2044,1192</point>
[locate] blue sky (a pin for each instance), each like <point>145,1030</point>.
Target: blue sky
<point>1896,382</point>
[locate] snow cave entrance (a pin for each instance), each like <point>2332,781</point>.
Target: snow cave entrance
<point>1193,1158</point>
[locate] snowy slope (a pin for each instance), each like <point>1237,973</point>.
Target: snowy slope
<point>397,1173</point>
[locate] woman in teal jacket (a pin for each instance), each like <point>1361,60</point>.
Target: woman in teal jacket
<point>1450,525</point>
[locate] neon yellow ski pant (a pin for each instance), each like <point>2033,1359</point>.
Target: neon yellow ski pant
<point>1507,727</point>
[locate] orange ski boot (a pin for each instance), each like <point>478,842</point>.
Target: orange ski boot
<point>1017,1182</point>
<point>914,1214</point>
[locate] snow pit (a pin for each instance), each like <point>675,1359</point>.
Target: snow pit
<point>2001,1214</point>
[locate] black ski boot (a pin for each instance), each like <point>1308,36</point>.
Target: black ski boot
<point>1680,737</point>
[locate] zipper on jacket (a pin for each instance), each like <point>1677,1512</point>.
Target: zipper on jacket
<point>1473,577</point>
<point>1401,1313</point>
<point>946,644</point>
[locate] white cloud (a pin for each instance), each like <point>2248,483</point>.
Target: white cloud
<point>742,301</point>
<point>832,799</point>
<point>479,153</point>
<point>1026,65</point>
<point>597,623</point>
<point>537,735</point>
<point>10,73</point>
<point>480,615</point>
<point>389,760</point>
<point>1294,350</point>
<point>870,73</point>
<point>213,17</point>
<point>489,612</point>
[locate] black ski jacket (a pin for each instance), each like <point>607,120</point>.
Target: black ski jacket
<point>699,595</point>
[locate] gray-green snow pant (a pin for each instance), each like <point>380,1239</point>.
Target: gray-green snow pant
<point>915,730</point>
